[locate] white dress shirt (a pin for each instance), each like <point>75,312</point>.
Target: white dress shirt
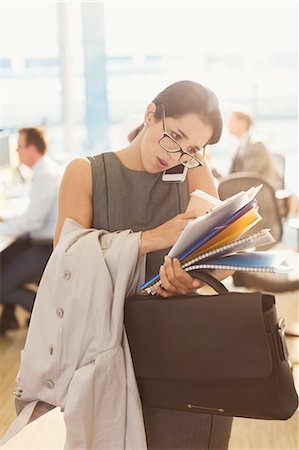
<point>39,219</point>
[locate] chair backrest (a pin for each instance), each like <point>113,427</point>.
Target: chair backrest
<point>267,203</point>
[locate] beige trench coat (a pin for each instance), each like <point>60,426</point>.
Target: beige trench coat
<point>76,354</point>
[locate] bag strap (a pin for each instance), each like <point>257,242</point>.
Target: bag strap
<point>209,279</point>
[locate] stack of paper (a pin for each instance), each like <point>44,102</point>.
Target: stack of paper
<point>212,241</point>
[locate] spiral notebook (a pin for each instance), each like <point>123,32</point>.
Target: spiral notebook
<point>230,229</point>
<point>213,241</point>
<point>214,220</point>
<point>233,256</point>
<point>246,261</point>
<point>255,240</point>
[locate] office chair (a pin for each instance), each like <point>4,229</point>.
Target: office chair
<point>271,218</point>
<point>267,203</point>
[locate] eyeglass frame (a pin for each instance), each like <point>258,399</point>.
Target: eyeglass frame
<point>181,151</point>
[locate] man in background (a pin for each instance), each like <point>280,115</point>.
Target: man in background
<point>25,259</point>
<point>251,155</point>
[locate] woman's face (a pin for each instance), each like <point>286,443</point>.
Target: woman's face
<point>188,130</point>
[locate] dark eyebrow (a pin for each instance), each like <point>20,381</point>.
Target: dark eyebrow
<point>186,137</point>
<point>183,134</point>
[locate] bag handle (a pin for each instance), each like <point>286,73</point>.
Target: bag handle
<point>210,280</point>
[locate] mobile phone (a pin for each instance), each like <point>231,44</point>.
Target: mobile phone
<point>177,174</point>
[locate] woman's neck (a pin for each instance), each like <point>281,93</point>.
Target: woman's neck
<point>130,156</point>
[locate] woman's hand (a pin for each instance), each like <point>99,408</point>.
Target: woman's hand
<point>175,280</point>
<point>166,234</point>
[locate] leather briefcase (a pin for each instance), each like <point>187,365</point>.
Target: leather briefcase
<point>222,354</point>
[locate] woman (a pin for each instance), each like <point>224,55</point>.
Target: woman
<point>124,189</point>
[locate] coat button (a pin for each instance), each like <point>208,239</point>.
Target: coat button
<point>59,312</point>
<point>51,349</point>
<point>66,274</point>
<point>50,384</point>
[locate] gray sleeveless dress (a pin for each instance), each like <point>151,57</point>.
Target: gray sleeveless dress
<point>128,199</point>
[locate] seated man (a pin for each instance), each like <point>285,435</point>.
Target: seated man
<point>25,259</point>
<point>251,155</point>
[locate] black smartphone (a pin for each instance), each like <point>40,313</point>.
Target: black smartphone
<point>177,174</point>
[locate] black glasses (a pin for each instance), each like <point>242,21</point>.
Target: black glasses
<point>194,157</point>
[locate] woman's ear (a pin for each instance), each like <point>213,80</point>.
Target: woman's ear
<point>149,116</point>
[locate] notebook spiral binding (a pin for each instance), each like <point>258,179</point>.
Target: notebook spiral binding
<point>190,265</point>
<point>229,246</point>
<point>239,268</point>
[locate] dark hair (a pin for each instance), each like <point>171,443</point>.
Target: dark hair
<point>36,137</point>
<point>185,97</point>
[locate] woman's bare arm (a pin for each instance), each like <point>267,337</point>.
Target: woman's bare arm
<point>202,178</point>
<point>75,195</point>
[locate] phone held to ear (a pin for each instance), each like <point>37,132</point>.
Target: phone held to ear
<point>176,174</point>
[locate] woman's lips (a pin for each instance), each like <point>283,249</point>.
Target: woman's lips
<point>162,164</point>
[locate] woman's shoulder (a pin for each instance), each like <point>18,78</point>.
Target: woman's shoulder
<point>102,159</point>
<point>78,163</point>
<point>86,161</point>
<point>78,169</point>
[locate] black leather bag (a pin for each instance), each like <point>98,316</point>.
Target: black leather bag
<point>223,354</point>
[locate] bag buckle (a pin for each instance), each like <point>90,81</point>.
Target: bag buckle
<point>205,408</point>
<point>282,340</point>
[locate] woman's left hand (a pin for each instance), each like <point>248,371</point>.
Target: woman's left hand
<point>175,280</point>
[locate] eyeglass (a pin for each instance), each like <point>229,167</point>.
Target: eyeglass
<point>194,157</point>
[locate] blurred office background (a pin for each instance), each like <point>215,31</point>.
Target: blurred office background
<point>87,70</point>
